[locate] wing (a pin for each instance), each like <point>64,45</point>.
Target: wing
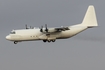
<point>54,30</point>
<point>61,29</point>
<point>50,33</point>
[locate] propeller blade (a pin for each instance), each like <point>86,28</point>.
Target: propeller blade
<point>46,25</point>
<point>30,27</point>
<point>41,29</point>
<point>46,28</point>
<point>26,26</point>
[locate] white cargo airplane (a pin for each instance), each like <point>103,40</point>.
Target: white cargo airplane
<point>51,34</point>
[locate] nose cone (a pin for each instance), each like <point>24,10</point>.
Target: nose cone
<point>8,37</point>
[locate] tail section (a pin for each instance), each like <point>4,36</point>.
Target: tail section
<point>90,19</point>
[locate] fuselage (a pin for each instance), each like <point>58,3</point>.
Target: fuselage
<point>51,34</point>
<point>35,34</point>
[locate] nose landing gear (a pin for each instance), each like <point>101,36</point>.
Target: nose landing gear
<point>15,42</point>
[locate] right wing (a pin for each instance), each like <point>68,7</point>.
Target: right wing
<point>54,30</point>
<point>61,29</point>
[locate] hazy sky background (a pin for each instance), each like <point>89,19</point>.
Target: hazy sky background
<point>85,51</point>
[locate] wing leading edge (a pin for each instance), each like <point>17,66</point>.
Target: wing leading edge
<point>55,30</point>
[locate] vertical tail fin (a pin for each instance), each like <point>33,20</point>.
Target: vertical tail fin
<point>90,19</point>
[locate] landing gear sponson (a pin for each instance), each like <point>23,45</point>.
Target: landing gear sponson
<point>15,42</point>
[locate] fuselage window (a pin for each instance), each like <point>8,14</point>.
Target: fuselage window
<point>12,32</point>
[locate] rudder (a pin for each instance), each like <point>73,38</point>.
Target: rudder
<point>90,19</point>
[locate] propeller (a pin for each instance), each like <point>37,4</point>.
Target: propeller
<point>41,29</point>
<point>46,29</point>
<point>31,27</point>
<point>26,26</point>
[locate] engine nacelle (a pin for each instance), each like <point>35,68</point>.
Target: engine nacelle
<point>50,30</point>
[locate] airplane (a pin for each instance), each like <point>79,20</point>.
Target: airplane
<point>52,34</point>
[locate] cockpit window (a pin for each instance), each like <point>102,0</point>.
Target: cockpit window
<point>12,32</point>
